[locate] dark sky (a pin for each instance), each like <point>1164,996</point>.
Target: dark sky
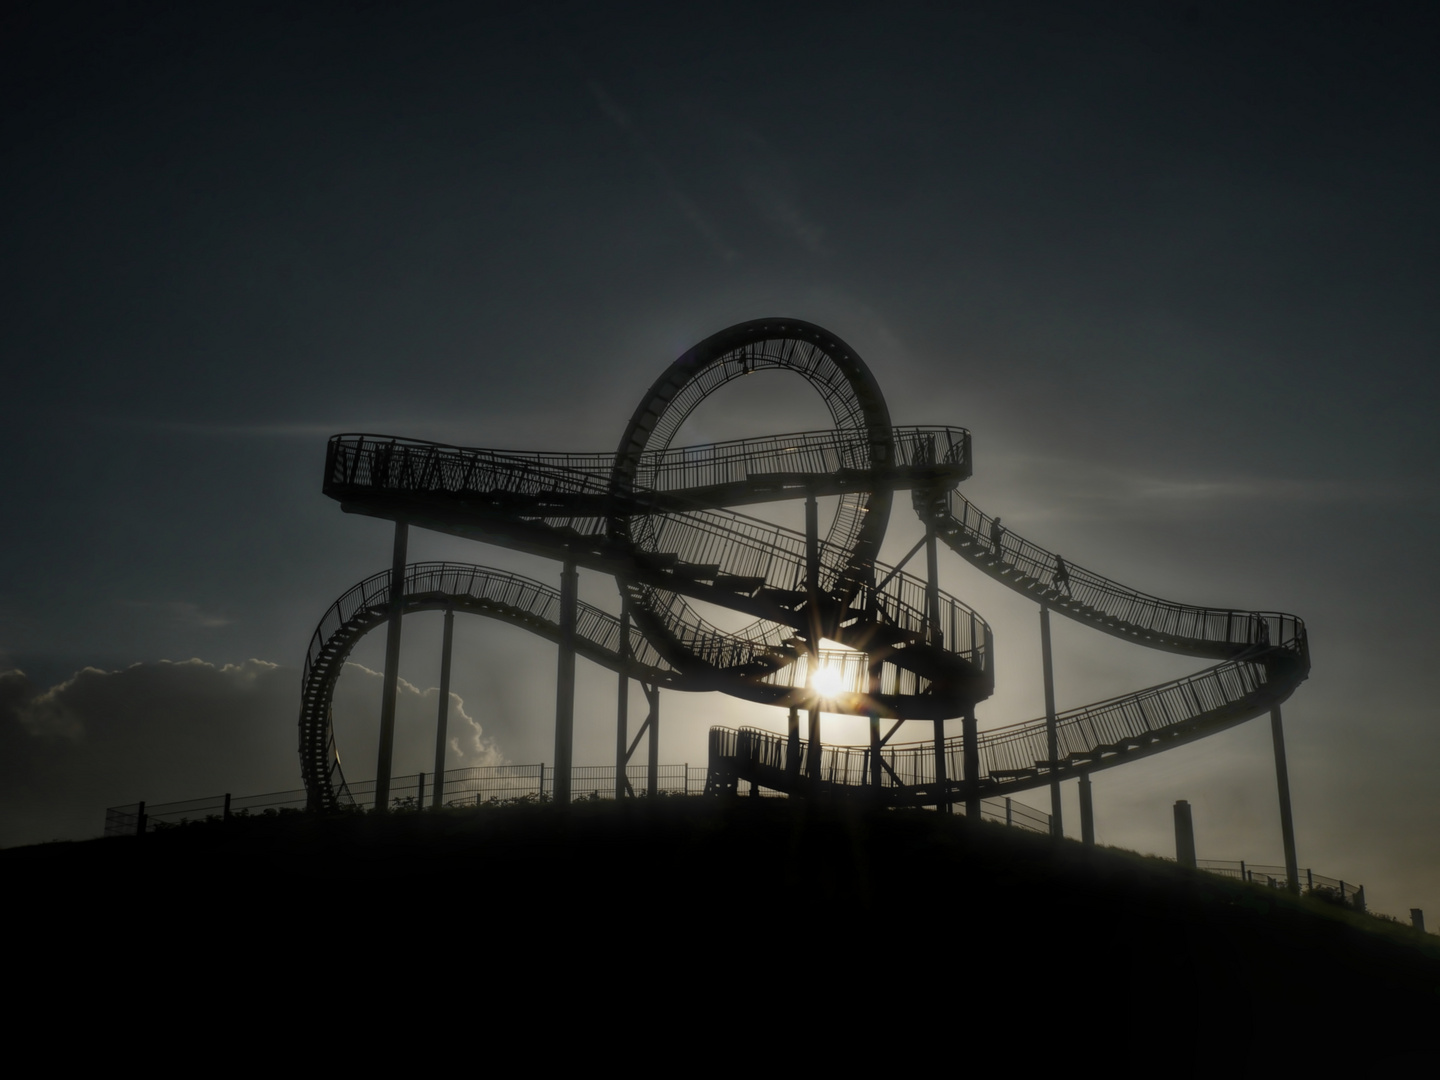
<point>1173,264</point>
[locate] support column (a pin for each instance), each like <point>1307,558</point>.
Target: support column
<point>1282,782</point>
<point>1052,742</point>
<point>942,780</point>
<point>384,757</point>
<point>565,685</point>
<point>972,764</point>
<point>652,695</point>
<point>872,689</point>
<point>875,770</point>
<point>1087,811</point>
<point>932,587</point>
<point>792,750</point>
<point>442,721</point>
<point>812,607</point>
<point>813,750</point>
<point>622,706</point>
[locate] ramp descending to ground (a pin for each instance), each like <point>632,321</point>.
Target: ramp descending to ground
<point>662,520</point>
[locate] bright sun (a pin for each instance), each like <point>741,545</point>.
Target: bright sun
<point>827,681</point>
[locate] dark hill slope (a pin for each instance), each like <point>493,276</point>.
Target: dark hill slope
<point>941,942</point>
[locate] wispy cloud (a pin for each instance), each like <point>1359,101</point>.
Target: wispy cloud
<point>1079,489</point>
<point>687,207</point>
<point>180,613</point>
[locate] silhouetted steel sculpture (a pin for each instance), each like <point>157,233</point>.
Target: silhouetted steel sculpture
<point>661,519</point>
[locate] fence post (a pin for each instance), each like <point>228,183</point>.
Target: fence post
<point>1417,919</point>
<point>1360,898</point>
<point>1009,817</point>
<point>140,820</point>
<point>420,799</point>
<point>227,806</point>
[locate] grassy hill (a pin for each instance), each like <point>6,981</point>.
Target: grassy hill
<point>980,943</point>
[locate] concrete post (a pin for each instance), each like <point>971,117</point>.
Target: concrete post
<point>1052,743</point>
<point>1417,919</point>
<point>1184,834</point>
<point>1282,783</point>
<point>565,685</point>
<point>1087,811</point>
<point>392,669</point>
<point>442,720</point>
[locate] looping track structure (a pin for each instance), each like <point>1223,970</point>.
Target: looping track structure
<point>663,521</point>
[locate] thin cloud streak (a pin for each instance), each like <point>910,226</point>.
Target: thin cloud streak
<point>691,212</point>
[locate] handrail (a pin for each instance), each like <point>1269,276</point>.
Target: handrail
<point>1030,568</point>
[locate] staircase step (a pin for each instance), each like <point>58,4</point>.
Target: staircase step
<point>739,583</point>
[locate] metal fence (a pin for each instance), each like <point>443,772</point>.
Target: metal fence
<point>484,785</point>
<point>1345,892</point>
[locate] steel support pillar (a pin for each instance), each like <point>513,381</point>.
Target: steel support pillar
<point>942,779</point>
<point>972,764</point>
<point>652,696</point>
<point>792,750</point>
<point>872,688</point>
<point>875,769</point>
<point>385,756</point>
<point>443,719</point>
<point>1087,811</point>
<point>932,587</point>
<point>812,605</point>
<point>1282,782</point>
<point>565,685</point>
<point>622,705</point>
<point>1052,742</point>
<point>813,750</point>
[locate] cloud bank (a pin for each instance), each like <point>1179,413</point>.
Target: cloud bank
<point>167,731</point>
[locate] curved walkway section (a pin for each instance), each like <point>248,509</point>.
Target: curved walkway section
<point>1268,657</point>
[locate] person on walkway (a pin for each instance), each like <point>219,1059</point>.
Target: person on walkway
<point>1061,577</point>
<point>996,532</point>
